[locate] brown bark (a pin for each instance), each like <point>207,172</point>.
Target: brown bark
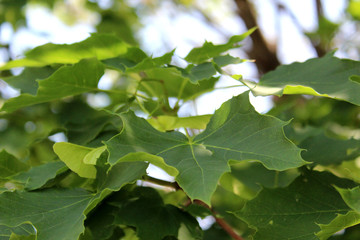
<point>265,58</point>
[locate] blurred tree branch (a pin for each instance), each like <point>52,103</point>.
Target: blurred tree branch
<point>266,58</point>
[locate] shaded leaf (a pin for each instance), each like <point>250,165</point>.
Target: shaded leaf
<point>147,212</point>
<point>100,46</point>
<point>83,123</point>
<point>26,81</point>
<point>309,201</point>
<point>209,50</point>
<point>66,81</point>
<point>236,131</point>
<point>56,214</point>
<point>325,150</point>
<point>327,76</point>
<point>248,178</point>
<point>9,165</point>
<point>113,178</point>
<point>37,176</point>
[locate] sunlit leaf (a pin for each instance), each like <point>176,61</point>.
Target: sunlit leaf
<point>66,81</point>
<point>74,157</point>
<point>100,46</point>
<point>165,123</point>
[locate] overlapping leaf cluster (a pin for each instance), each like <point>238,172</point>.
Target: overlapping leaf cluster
<point>263,174</point>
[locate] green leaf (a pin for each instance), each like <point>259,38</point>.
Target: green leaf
<point>325,150</point>
<point>236,131</point>
<point>74,157</point>
<point>113,178</point>
<point>354,9</point>
<point>308,202</point>
<point>209,50</point>
<point>83,123</point>
<point>56,214</point>
<point>9,165</point>
<point>200,72</point>
<point>98,46</point>
<point>37,176</point>
<point>227,59</point>
<point>135,60</point>
<point>165,123</point>
<point>66,81</point>
<point>24,231</point>
<point>147,212</point>
<point>351,197</point>
<point>340,222</point>
<point>26,81</point>
<point>327,76</point>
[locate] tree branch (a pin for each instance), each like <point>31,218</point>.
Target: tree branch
<point>320,13</point>
<point>266,58</point>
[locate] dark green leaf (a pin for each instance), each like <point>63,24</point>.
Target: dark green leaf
<point>236,131</point>
<point>37,176</point>
<point>327,76</point>
<point>56,214</point>
<point>26,81</point>
<point>309,201</point>
<point>151,216</point>
<point>324,150</point>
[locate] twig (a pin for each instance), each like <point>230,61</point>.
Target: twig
<point>222,223</point>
